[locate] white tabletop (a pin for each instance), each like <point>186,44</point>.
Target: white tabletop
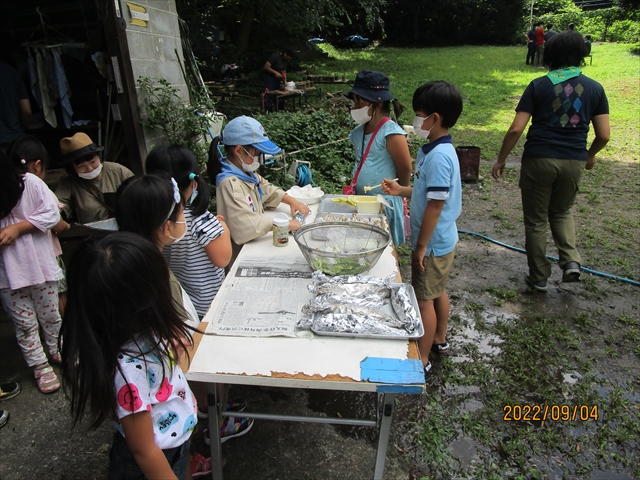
<point>306,361</point>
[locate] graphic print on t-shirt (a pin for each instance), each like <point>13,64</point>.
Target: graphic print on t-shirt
<point>566,105</point>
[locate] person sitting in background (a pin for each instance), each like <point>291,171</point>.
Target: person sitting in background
<point>88,191</point>
<point>274,72</point>
<point>587,44</point>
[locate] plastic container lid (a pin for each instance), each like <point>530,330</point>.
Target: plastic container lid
<point>281,220</point>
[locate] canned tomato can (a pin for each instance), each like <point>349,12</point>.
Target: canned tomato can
<point>280,230</point>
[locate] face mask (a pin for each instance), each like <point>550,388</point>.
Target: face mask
<point>252,167</point>
<point>194,194</point>
<point>361,115</point>
<point>176,240</point>
<point>417,127</point>
<point>92,174</point>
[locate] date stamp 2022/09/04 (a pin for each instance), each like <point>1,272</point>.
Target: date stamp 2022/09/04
<point>538,413</point>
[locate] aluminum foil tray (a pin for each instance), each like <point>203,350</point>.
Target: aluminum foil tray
<point>386,309</point>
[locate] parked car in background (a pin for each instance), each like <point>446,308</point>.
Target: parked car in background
<point>317,40</point>
<point>354,41</point>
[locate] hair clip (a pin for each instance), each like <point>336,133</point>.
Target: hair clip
<point>176,198</point>
<point>23,161</point>
<point>192,176</point>
<point>176,190</point>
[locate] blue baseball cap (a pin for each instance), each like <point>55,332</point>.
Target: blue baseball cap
<point>248,131</point>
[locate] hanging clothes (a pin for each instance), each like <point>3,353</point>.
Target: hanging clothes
<point>49,69</point>
<point>34,84</point>
<point>47,103</point>
<point>64,91</point>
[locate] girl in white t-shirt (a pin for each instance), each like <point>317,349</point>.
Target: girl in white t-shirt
<point>122,335</point>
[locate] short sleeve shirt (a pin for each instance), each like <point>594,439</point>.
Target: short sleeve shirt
<point>379,164</point>
<point>189,262</point>
<point>147,383</point>
<point>277,62</point>
<point>560,116</point>
<point>437,178</point>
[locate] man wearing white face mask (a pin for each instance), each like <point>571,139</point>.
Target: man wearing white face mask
<point>87,193</point>
<point>242,195</point>
<point>379,143</point>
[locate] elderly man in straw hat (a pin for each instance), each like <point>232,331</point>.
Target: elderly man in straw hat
<point>88,191</point>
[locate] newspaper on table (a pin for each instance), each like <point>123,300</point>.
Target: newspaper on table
<point>264,298</point>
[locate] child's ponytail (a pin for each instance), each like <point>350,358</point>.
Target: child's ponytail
<point>27,149</point>
<point>214,165</point>
<point>180,163</point>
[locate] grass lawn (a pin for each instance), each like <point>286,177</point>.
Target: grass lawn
<point>491,80</point>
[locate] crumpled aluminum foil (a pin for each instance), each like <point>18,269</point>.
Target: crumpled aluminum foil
<point>404,308</point>
<point>353,303</point>
<point>343,318</point>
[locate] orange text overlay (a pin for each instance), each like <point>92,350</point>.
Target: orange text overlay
<point>540,413</point>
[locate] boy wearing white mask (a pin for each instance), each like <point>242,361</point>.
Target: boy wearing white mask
<point>242,195</point>
<point>87,193</point>
<point>436,203</point>
<point>379,143</point>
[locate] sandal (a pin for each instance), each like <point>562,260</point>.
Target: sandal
<point>200,466</point>
<point>46,379</point>
<point>56,358</point>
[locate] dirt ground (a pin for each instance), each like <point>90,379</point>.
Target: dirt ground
<point>578,344</point>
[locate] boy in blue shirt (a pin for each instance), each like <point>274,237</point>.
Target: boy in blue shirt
<point>436,203</point>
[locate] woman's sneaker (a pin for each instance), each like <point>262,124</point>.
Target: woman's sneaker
<point>231,428</point>
<point>233,405</point>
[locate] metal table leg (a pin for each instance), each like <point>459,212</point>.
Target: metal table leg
<point>214,430</point>
<point>388,400</point>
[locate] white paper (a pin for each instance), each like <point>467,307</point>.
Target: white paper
<point>274,311</point>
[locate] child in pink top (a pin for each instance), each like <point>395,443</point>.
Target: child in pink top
<point>29,272</point>
<point>28,155</point>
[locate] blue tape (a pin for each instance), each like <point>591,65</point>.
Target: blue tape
<point>392,370</point>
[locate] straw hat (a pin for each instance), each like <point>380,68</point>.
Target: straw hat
<point>78,146</point>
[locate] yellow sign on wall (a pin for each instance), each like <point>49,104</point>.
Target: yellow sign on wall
<point>139,14</point>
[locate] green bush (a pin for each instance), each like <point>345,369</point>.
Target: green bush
<point>331,165</point>
<point>605,24</point>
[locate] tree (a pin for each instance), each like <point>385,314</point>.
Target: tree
<point>264,22</point>
<point>455,22</point>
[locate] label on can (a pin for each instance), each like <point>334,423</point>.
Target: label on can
<point>280,236</point>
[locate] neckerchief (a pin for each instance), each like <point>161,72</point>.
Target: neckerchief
<point>229,170</point>
<point>563,74</point>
